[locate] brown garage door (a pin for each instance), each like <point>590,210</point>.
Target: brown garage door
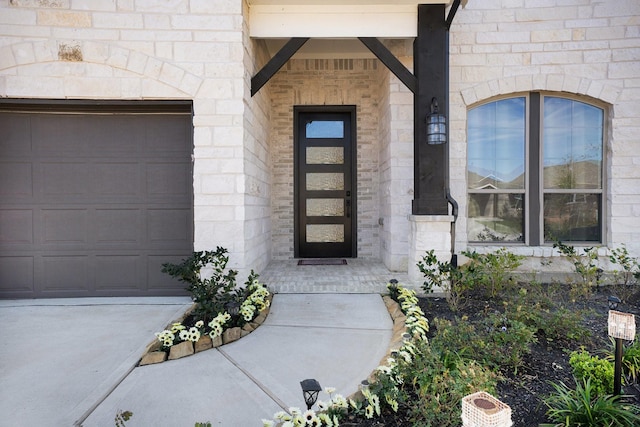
<point>93,198</point>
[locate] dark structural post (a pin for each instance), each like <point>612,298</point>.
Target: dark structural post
<point>430,52</point>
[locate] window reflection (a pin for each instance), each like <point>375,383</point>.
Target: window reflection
<point>325,129</point>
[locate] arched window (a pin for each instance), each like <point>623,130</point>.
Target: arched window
<point>535,170</point>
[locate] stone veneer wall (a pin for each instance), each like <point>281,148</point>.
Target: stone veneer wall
<point>396,165</point>
<point>585,47</point>
<point>326,82</point>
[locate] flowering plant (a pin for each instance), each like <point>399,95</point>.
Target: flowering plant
<point>328,415</point>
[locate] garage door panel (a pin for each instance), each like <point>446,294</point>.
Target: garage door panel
<point>16,227</point>
<point>65,179</point>
<point>17,275</point>
<point>16,179</point>
<point>169,227</point>
<point>65,273</point>
<point>163,131</point>
<point>118,226</point>
<point>122,136</point>
<point>119,179</point>
<point>15,135</point>
<point>58,134</point>
<point>118,272</point>
<point>65,226</point>
<point>162,180</point>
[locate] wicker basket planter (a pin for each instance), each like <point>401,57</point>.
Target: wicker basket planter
<point>483,410</point>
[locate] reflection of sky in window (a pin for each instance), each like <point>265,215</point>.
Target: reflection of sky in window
<point>325,129</point>
<point>572,132</point>
<point>496,141</point>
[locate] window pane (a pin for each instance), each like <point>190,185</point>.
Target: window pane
<point>325,129</point>
<point>572,145</point>
<point>325,155</point>
<point>325,181</point>
<point>325,233</point>
<point>496,217</point>
<point>496,145</point>
<point>572,217</point>
<point>325,207</point>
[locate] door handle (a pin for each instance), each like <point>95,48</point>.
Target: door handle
<point>348,202</point>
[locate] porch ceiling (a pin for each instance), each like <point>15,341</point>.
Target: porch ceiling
<point>335,18</point>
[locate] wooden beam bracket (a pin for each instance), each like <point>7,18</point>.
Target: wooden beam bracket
<point>275,63</point>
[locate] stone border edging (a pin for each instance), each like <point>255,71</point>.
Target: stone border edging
<point>153,354</point>
<point>399,328</point>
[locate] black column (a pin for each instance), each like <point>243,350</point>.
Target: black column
<point>430,56</point>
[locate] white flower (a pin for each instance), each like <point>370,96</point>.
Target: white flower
<point>330,390</point>
<point>199,324</point>
<point>368,411</point>
<point>322,406</point>
<point>339,401</point>
<point>287,424</point>
<point>177,327</point>
<point>267,423</point>
<point>309,415</point>
<point>294,411</point>
<point>184,335</point>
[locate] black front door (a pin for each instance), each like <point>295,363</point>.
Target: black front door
<point>325,182</point>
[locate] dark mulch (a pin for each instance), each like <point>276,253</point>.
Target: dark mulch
<point>547,362</point>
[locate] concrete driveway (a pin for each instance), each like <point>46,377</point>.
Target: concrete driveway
<point>60,357</point>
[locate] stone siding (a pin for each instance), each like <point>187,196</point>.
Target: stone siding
<point>579,47</point>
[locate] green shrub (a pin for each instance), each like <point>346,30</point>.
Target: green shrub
<point>585,265</point>
<point>435,383</point>
<point>492,271</point>
<point>598,371</point>
<point>585,407</point>
<point>214,288</point>
<point>496,342</point>
<point>454,281</point>
<point>627,279</point>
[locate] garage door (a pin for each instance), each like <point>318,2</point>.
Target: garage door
<point>93,198</point>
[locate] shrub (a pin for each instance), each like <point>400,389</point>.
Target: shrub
<point>585,407</point>
<point>585,265</point>
<point>497,342</point>
<point>492,270</point>
<point>455,281</point>
<point>625,280</point>
<point>212,291</point>
<point>598,371</point>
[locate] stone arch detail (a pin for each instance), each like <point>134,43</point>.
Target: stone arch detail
<point>547,82</point>
<point>117,57</point>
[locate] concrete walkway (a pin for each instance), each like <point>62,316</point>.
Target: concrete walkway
<point>67,376</point>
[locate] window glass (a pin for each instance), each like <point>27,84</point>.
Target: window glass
<point>572,217</point>
<point>496,217</point>
<point>496,150</point>
<point>325,129</point>
<point>572,144</point>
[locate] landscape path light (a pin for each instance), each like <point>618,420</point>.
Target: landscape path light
<point>233,308</point>
<point>622,327</point>
<point>310,389</point>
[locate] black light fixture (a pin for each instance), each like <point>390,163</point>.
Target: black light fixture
<point>310,389</point>
<point>613,302</point>
<point>233,308</point>
<point>436,125</point>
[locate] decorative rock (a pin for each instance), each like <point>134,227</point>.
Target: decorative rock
<point>153,357</point>
<point>231,335</point>
<point>216,342</point>
<point>204,343</point>
<point>260,318</point>
<point>181,350</point>
<point>248,328</point>
<point>244,333</point>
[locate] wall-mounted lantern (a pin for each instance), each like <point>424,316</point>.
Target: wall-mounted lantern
<point>436,125</point>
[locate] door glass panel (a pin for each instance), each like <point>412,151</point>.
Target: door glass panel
<point>325,155</point>
<point>325,181</point>
<point>325,207</point>
<point>325,129</point>
<point>325,233</point>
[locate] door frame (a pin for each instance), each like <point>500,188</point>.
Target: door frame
<point>351,110</point>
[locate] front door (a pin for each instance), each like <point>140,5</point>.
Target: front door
<point>324,182</point>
